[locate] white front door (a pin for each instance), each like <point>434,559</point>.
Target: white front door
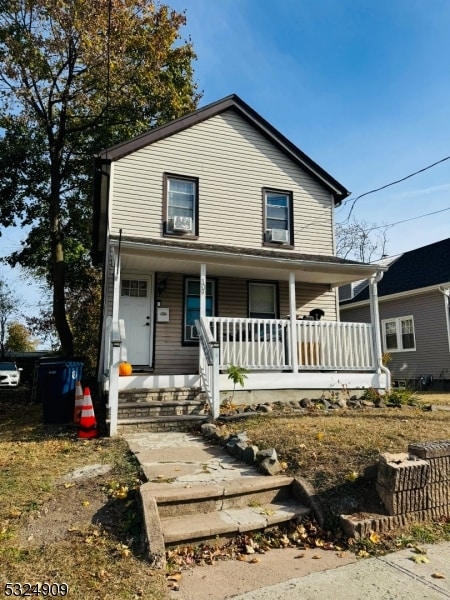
<point>136,309</point>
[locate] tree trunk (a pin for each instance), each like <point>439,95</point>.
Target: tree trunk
<point>58,268</point>
<point>59,300</point>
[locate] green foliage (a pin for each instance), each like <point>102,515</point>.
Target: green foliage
<point>237,375</point>
<point>19,339</point>
<point>71,86</point>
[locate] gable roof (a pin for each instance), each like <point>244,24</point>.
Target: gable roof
<point>232,102</point>
<point>413,270</point>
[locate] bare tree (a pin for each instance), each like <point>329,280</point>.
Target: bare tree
<point>362,241</point>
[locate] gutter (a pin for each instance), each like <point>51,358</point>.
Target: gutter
<point>290,263</point>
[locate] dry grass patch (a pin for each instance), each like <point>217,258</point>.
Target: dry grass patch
<point>337,451</point>
<point>85,532</point>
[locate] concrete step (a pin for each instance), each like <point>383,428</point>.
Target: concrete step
<point>202,512</point>
<point>160,423</point>
<point>155,408</point>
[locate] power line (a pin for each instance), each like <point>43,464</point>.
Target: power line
<point>389,185</point>
<point>406,220</point>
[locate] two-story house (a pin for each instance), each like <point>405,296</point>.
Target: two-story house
<point>217,238</point>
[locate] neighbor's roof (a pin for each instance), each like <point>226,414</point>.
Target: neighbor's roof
<point>416,269</point>
<point>232,102</point>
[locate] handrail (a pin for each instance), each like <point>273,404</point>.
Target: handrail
<point>209,366</point>
<point>118,346</point>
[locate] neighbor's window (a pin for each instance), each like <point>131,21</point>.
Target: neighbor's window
<point>192,306</point>
<point>181,205</point>
<point>398,334</point>
<point>278,217</point>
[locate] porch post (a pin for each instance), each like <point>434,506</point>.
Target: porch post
<point>202,291</point>
<point>375,319</point>
<point>115,343</point>
<point>293,319</point>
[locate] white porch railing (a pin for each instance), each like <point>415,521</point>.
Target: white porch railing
<point>265,344</point>
<point>209,366</point>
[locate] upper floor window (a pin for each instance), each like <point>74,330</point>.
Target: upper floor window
<point>181,205</point>
<point>398,334</point>
<point>278,217</point>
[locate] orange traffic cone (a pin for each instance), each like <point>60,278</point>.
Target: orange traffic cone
<point>79,398</point>
<point>87,427</point>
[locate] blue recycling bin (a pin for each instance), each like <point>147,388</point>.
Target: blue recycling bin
<point>56,389</point>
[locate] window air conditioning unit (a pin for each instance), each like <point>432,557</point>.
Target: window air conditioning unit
<point>279,235</point>
<point>182,223</point>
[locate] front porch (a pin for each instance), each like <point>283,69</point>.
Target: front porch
<point>312,357</point>
<point>316,355</point>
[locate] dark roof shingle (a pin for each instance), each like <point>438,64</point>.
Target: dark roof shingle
<point>419,268</point>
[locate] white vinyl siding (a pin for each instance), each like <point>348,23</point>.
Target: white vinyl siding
<point>232,162</point>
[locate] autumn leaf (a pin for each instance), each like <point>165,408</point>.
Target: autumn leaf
<point>438,575</point>
<point>374,537</point>
<point>420,558</point>
<point>352,476</point>
<point>320,436</point>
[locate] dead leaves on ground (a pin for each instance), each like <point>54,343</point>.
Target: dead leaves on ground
<point>246,547</point>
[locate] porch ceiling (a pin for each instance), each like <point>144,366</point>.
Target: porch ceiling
<point>247,265</point>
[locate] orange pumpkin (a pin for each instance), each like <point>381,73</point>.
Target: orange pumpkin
<point>125,369</point>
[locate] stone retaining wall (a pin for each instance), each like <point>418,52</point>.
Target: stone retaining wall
<point>413,486</point>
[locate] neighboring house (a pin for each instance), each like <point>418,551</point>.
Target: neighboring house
<point>216,233</point>
<point>413,299</point>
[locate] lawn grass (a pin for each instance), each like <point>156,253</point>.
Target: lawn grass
<point>92,542</point>
<point>97,548</point>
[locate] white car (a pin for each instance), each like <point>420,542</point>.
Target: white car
<point>9,374</point>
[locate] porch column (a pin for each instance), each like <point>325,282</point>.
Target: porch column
<point>293,318</point>
<point>114,343</point>
<point>375,319</point>
<point>202,291</point>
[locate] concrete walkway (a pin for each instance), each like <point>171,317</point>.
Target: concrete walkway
<point>187,460</point>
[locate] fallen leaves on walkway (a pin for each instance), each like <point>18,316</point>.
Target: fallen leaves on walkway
<point>302,536</point>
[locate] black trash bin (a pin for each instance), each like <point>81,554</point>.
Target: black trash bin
<point>56,389</point>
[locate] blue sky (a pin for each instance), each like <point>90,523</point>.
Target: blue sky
<point>362,87</point>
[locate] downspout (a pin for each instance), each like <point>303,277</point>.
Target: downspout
<point>446,292</point>
<point>375,318</point>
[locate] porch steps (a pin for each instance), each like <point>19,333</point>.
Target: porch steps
<point>164,409</point>
<point>205,512</point>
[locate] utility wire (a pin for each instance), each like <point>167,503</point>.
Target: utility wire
<point>410,219</point>
<point>355,200</point>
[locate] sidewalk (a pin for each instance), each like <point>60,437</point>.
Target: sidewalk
<point>186,460</point>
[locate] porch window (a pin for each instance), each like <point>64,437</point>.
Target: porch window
<point>278,217</point>
<point>398,334</point>
<point>134,288</point>
<point>192,306</point>
<point>181,205</point>
<point>262,300</point>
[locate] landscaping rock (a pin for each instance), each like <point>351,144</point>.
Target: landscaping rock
<point>270,466</point>
<point>306,403</point>
<point>209,430</point>
<point>270,453</point>
<point>249,454</point>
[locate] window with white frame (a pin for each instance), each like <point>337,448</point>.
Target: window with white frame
<point>262,300</point>
<point>398,334</point>
<point>192,306</point>
<point>277,216</point>
<point>181,205</point>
